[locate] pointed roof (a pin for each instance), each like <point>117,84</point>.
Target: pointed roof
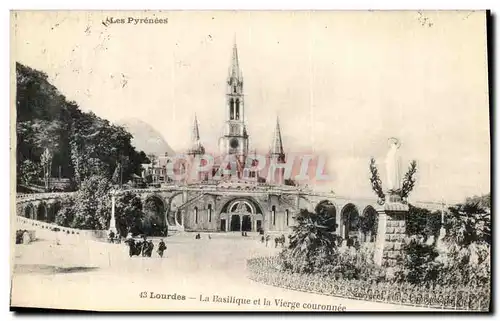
<point>235,71</point>
<point>196,146</point>
<point>195,135</point>
<point>277,144</point>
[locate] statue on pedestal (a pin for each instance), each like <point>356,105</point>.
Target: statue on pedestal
<point>393,170</point>
<point>397,188</point>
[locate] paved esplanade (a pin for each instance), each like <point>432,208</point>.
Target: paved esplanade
<point>101,276</point>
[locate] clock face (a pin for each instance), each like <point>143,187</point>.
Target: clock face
<point>234,143</point>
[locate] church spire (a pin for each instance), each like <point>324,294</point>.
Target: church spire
<point>196,132</point>
<point>196,146</point>
<point>235,71</point>
<point>277,144</point>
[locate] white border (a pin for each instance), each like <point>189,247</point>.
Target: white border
<point>183,5</point>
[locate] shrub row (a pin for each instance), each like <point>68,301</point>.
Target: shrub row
<point>267,270</point>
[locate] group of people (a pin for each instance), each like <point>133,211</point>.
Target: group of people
<point>278,240</point>
<point>142,247</point>
<point>147,246</point>
<point>114,238</point>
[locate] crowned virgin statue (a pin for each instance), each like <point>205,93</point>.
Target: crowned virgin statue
<point>393,166</point>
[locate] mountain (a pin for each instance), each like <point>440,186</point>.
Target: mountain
<point>145,137</point>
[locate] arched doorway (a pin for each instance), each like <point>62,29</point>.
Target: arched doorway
<point>369,224</point>
<point>350,221</point>
<point>52,212</point>
<point>178,217</point>
<point>246,224</point>
<point>243,214</point>
<point>174,215</point>
<point>171,217</point>
<point>153,223</point>
<point>235,223</point>
<point>41,212</point>
<point>328,208</point>
<point>209,210</point>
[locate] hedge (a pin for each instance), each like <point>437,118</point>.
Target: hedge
<point>266,270</point>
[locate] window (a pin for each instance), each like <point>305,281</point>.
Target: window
<point>210,212</point>
<point>287,218</point>
<point>196,215</point>
<point>273,211</point>
<point>231,109</point>
<point>237,109</point>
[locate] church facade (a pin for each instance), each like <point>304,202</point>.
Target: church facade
<point>243,200</point>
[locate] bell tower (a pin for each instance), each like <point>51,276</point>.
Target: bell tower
<point>235,138</point>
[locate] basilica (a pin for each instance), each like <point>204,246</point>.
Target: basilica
<point>243,200</point>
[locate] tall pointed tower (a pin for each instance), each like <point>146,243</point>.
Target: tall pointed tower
<point>277,155</point>
<point>235,138</point>
<point>277,151</point>
<point>196,146</point>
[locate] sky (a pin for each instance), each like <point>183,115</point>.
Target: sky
<point>341,83</point>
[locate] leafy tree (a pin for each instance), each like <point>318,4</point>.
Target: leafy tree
<point>483,201</point>
<point>30,171</point>
<point>422,222</point>
<point>152,221</point>
<point>470,266</point>
<point>153,159</point>
<point>46,161</point>
<point>66,213</point>
<point>116,175</point>
<point>369,223</point>
<point>80,144</point>
<point>468,223</point>
<point>92,204</point>
<point>312,242</point>
<point>128,214</point>
<point>419,263</point>
<point>433,225</point>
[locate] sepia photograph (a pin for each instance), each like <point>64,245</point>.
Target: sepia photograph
<point>320,161</point>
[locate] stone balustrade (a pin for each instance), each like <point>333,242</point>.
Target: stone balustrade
<point>49,230</point>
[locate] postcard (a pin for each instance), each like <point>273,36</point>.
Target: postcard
<point>322,161</point>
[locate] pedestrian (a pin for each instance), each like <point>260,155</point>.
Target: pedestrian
<point>145,246</point>
<point>161,248</point>
<point>150,248</point>
<point>267,239</point>
<point>262,239</point>
<point>111,236</point>
<point>26,237</point>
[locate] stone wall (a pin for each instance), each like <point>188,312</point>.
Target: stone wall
<point>394,237</point>
<point>390,234</point>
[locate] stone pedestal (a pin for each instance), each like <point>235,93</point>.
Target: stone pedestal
<point>390,234</point>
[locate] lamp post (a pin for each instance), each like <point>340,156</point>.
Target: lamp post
<point>442,232</point>
<point>112,222</point>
